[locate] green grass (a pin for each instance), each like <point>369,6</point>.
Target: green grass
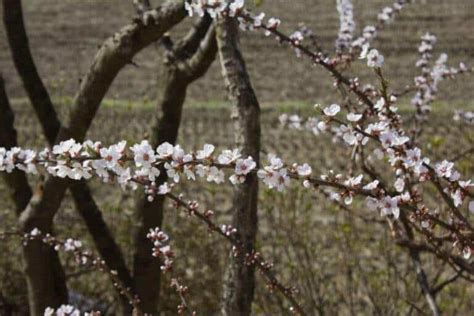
<point>303,107</point>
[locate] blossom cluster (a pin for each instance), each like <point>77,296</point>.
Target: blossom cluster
<point>214,7</point>
<point>67,310</point>
<point>385,16</point>
<point>347,25</point>
<point>130,166</point>
<point>431,75</point>
<point>161,248</point>
<point>140,165</point>
<point>312,124</point>
<point>406,159</point>
<point>464,116</point>
<point>374,58</point>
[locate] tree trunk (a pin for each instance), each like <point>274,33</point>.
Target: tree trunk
<point>240,278</point>
<point>146,268</point>
<point>188,62</point>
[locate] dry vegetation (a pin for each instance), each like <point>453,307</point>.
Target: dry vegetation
<point>347,266</point>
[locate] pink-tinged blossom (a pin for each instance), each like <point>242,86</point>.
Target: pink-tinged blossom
<point>372,185</point>
<point>354,182</point>
<point>354,117</point>
<point>272,24</point>
<point>389,206</point>
<point>332,110</point>
<point>444,169</point>
<point>206,152</point>
<point>457,197</point>
<point>297,37</point>
<point>399,185</point>
<point>347,25</point>
<point>164,189</point>
<point>228,156</point>
<point>471,207</point>
<point>144,155</point>
<point>374,59</point>
<point>244,166</point>
<point>304,170</point>
<point>165,150</point>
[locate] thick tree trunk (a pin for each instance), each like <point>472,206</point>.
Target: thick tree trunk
<point>240,278</point>
<point>186,63</point>
<point>51,281</point>
<point>146,268</point>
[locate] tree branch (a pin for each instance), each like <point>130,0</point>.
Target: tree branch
<point>24,64</point>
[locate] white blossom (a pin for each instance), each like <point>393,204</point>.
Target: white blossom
<point>165,150</point>
<point>372,185</point>
<point>228,156</point>
<point>354,117</point>
<point>444,169</point>
<point>374,59</point>
<point>144,155</point>
<point>389,206</point>
<point>304,170</point>
<point>332,110</point>
<point>206,152</point>
<point>399,185</point>
<point>244,166</point>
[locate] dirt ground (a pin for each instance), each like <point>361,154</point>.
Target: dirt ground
<point>65,34</point>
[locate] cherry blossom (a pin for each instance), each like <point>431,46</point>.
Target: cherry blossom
<point>347,25</point>
<point>144,154</point>
<point>304,170</point>
<point>332,110</point>
<point>389,206</point>
<point>353,117</point>
<point>206,152</point>
<point>374,59</point>
<point>63,310</point>
<point>444,169</point>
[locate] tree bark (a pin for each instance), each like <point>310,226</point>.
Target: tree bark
<point>184,63</point>
<point>16,181</point>
<point>53,281</point>
<point>240,278</point>
<point>115,53</point>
